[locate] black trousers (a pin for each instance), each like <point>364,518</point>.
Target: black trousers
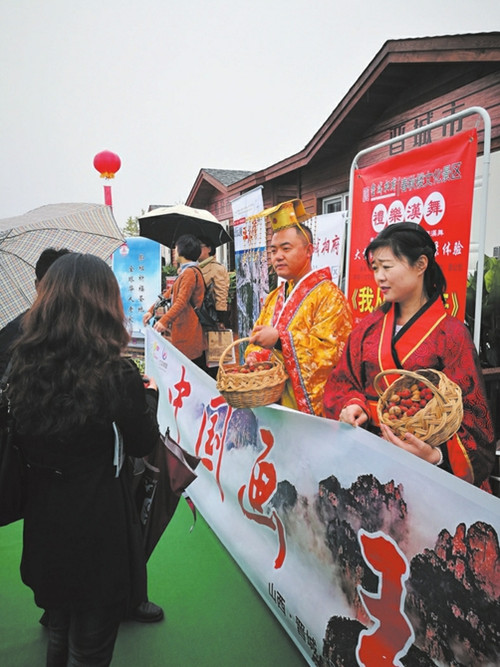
<point>83,638</point>
<point>200,362</point>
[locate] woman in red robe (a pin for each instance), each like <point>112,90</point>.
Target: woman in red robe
<point>412,330</point>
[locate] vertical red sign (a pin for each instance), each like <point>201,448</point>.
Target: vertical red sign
<point>432,186</point>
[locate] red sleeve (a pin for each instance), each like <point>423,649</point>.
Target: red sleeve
<point>475,437</point>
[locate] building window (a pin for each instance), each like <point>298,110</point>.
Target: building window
<point>335,204</point>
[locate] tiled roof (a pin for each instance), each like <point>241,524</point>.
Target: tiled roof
<point>228,176</point>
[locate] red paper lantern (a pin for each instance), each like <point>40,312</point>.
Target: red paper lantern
<point>107,164</point>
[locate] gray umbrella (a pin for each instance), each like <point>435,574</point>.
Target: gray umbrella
<point>88,228</point>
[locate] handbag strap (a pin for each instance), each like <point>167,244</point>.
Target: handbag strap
<point>197,271</point>
<point>118,455</point>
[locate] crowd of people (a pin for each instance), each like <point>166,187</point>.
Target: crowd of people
<point>71,390</point>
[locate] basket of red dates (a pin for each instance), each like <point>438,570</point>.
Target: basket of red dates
<point>251,386</point>
<point>425,403</point>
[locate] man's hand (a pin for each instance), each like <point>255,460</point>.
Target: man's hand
<point>265,336</point>
<point>353,415</point>
<point>251,359</point>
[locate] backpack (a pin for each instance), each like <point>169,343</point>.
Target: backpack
<point>207,313</point>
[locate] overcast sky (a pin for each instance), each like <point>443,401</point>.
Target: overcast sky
<point>173,86</point>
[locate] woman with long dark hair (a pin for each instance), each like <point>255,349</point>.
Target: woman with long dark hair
<point>412,330</point>
<point>71,392</point>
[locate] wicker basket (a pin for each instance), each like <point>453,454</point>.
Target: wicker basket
<point>434,423</point>
<point>251,390</point>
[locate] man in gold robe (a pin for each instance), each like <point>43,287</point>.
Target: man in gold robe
<point>306,320</point>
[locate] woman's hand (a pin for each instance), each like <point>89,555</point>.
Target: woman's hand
<point>159,327</point>
<point>353,415</point>
<point>151,383</point>
<point>146,317</point>
<point>413,445</point>
<point>265,336</point>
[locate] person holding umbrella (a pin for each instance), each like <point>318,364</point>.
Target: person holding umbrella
<point>181,321</point>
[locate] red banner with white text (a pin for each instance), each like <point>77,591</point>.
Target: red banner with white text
<point>432,186</point>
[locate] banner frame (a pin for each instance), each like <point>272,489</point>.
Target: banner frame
<point>484,198</point>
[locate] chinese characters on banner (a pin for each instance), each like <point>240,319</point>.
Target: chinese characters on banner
<point>137,267</point>
<point>330,525</point>
<point>432,186</point>
<point>328,232</point>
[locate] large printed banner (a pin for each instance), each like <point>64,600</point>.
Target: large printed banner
<point>252,282</point>
<point>137,267</point>
<point>432,186</point>
<point>366,554</point>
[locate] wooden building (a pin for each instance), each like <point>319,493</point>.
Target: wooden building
<point>409,84</point>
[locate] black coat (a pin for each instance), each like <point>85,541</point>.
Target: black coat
<point>76,543</point>
<point>8,336</point>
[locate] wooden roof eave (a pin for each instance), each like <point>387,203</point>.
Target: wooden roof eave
<point>340,113</point>
<point>452,49</point>
<point>399,52</point>
<point>204,178</point>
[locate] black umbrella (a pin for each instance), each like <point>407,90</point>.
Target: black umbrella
<point>166,223</point>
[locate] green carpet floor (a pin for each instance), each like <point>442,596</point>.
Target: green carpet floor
<point>214,617</point>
